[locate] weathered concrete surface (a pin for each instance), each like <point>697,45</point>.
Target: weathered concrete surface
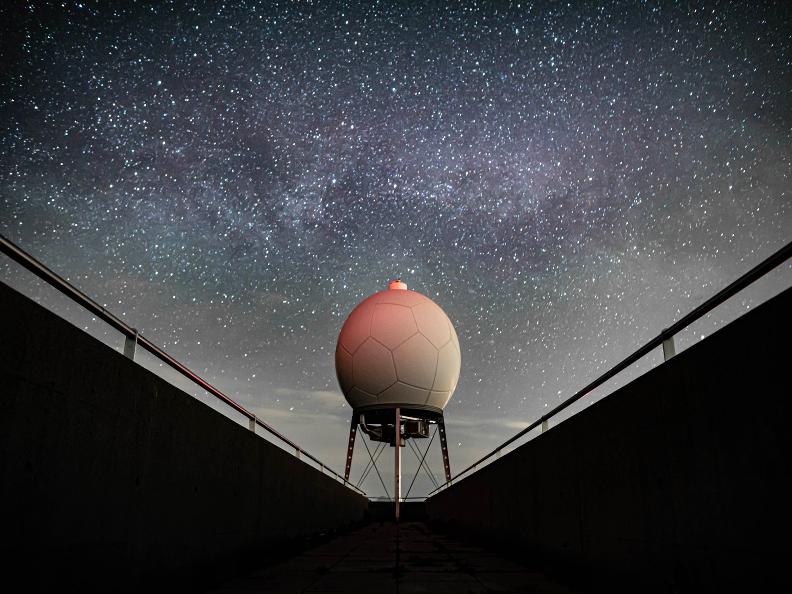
<point>110,476</point>
<point>680,481</point>
<point>405,558</point>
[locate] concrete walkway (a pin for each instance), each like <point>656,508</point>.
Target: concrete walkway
<point>385,559</point>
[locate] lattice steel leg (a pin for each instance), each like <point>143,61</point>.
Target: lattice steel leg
<point>351,446</point>
<point>444,447</point>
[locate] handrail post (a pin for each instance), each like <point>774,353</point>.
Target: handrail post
<point>252,423</point>
<point>669,349</point>
<point>545,425</point>
<point>130,345</point>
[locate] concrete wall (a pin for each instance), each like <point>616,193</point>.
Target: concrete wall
<point>111,478</point>
<point>680,481</point>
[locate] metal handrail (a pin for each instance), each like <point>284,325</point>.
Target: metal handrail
<point>40,270</point>
<point>746,279</point>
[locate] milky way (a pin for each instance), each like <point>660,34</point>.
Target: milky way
<point>564,180</point>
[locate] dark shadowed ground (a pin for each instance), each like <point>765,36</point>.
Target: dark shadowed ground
<point>388,558</point>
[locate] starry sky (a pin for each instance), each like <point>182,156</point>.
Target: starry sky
<point>564,179</point>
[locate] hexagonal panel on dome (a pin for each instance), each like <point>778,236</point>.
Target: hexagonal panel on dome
<point>392,324</point>
<point>401,393</point>
<point>372,367</point>
<point>454,337</point>
<point>438,398</point>
<point>448,364</point>
<point>400,297</point>
<point>356,327</point>
<point>358,397</point>
<point>416,361</point>
<point>432,323</point>
<point>343,363</point>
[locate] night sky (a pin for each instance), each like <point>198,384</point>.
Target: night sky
<point>565,180</point>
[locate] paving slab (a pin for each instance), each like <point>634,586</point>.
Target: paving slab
<point>403,558</point>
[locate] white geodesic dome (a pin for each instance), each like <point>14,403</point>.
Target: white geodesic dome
<point>397,348</point>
